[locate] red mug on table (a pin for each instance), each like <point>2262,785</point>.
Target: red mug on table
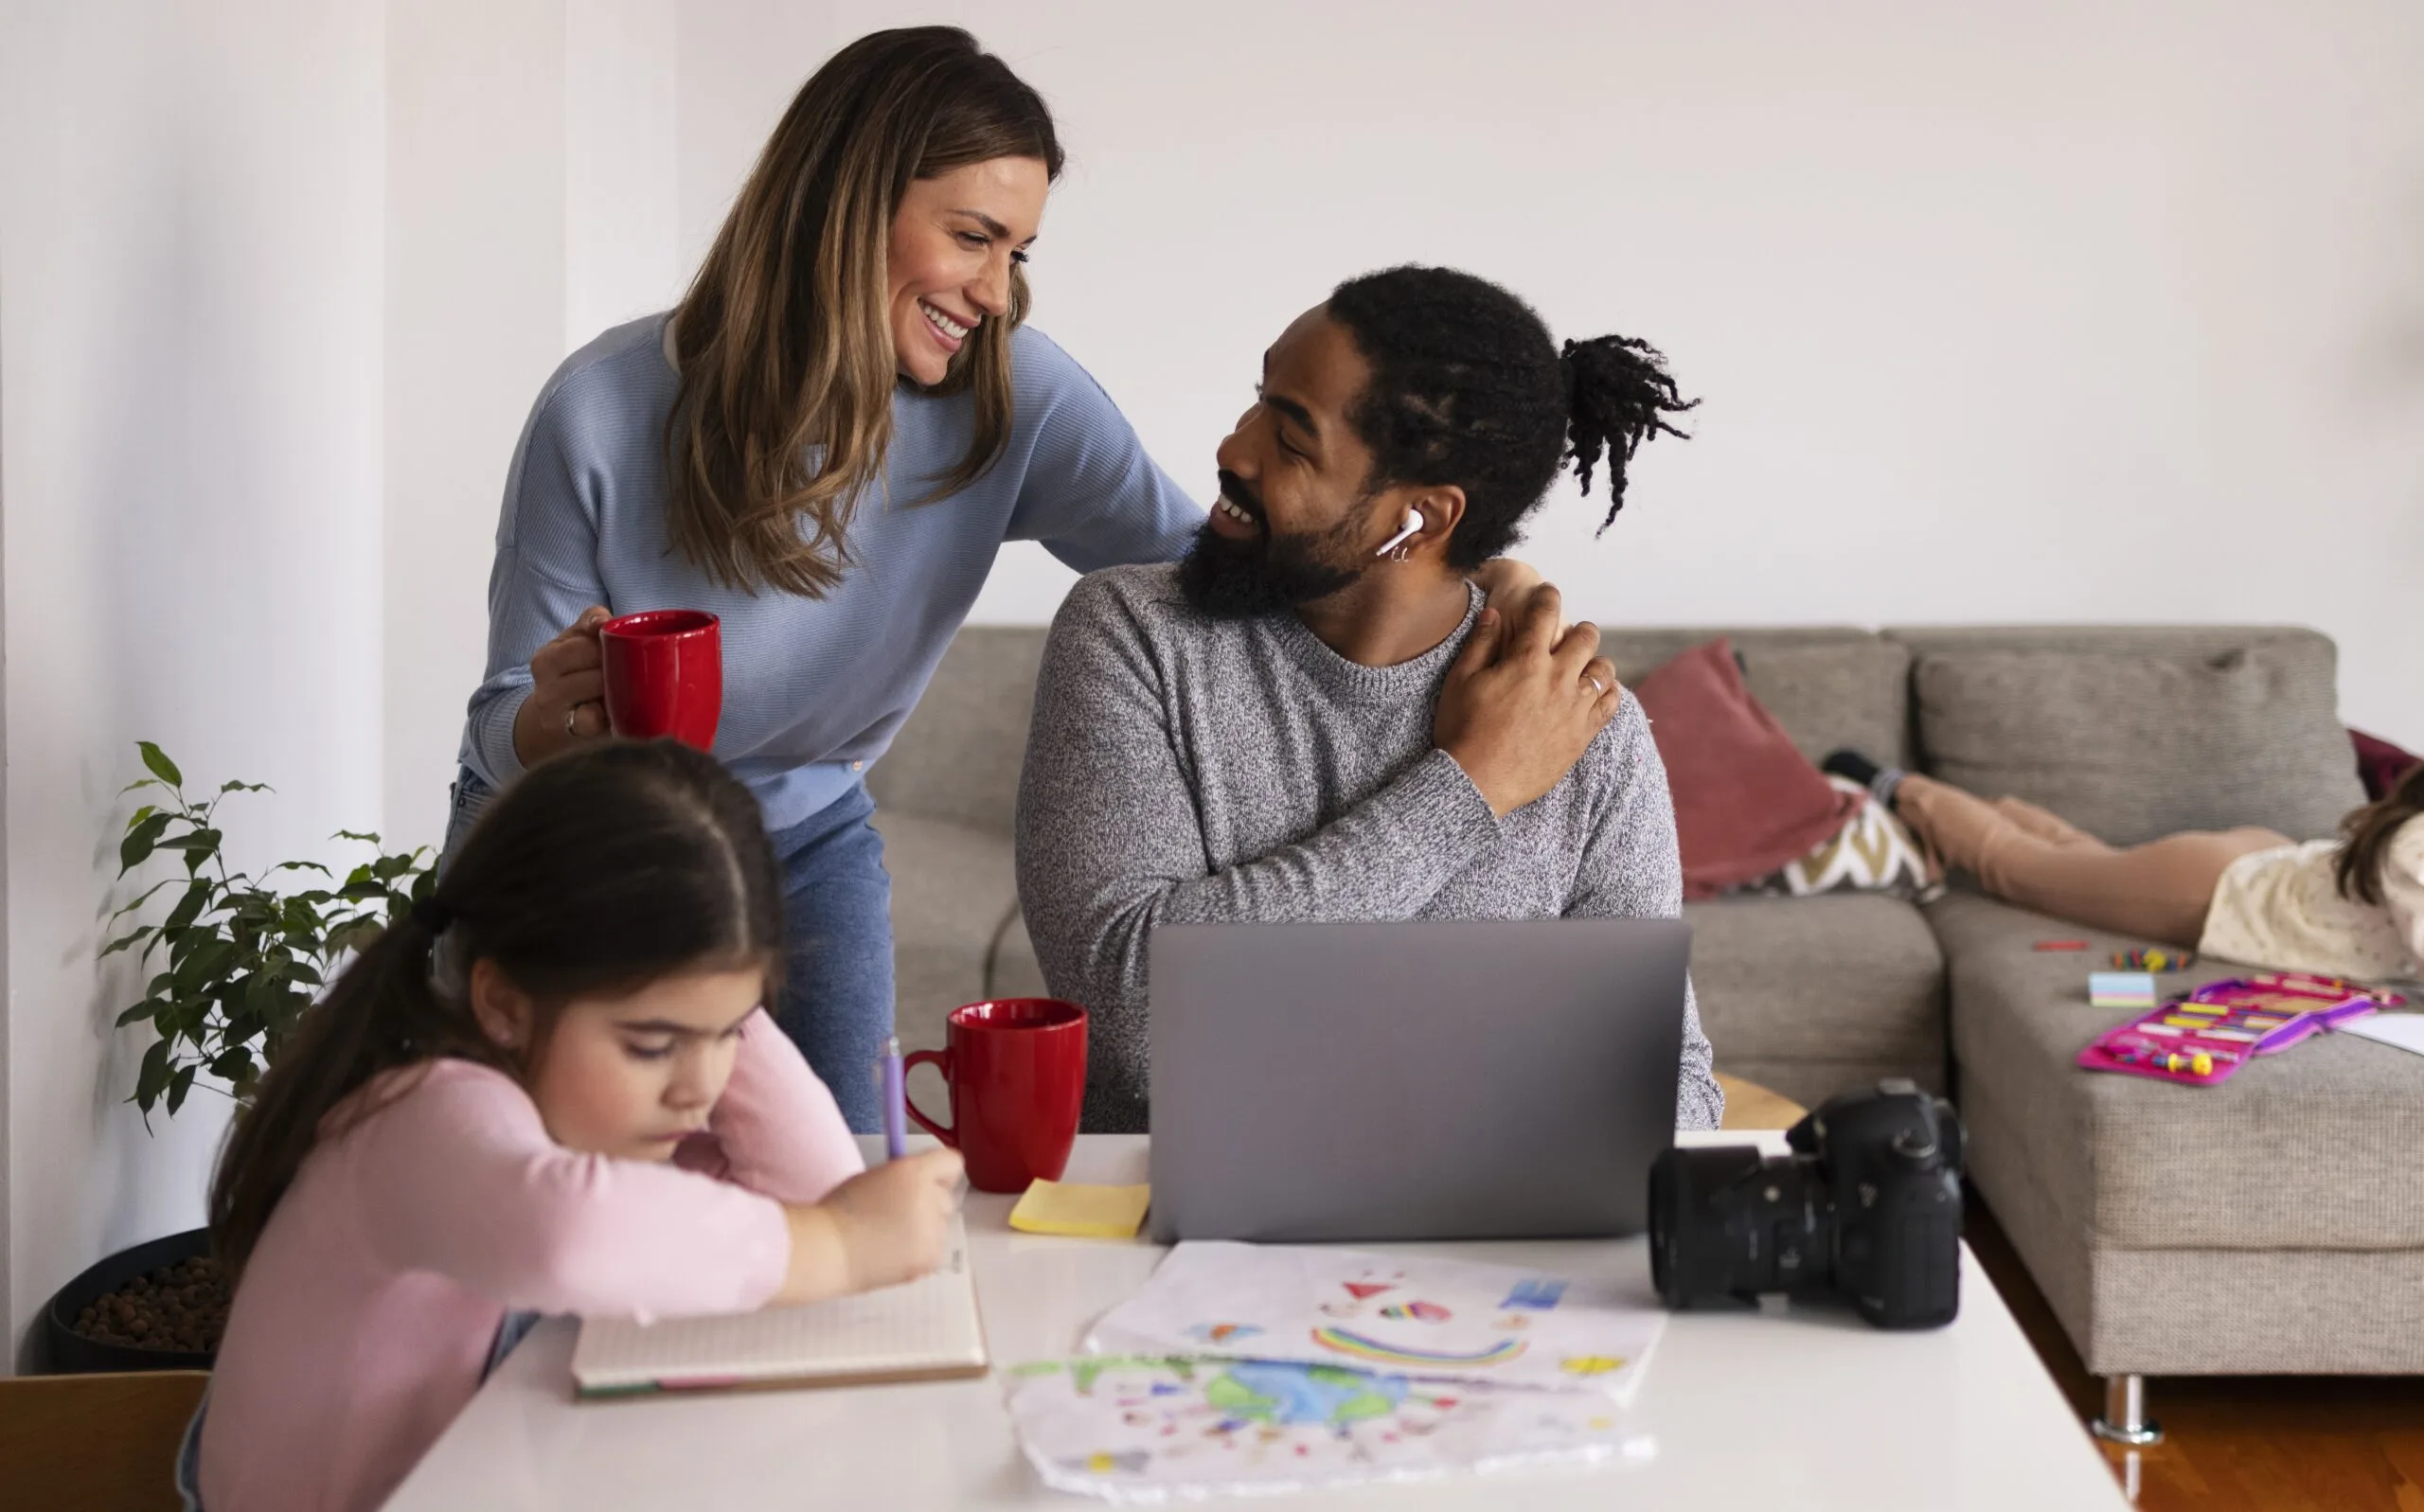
<point>663,674</point>
<point>1016,1071</point>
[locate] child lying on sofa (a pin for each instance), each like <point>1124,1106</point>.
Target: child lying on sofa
<point>2350,907</point>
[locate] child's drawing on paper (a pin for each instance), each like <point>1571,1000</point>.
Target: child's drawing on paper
<point>1420,1317</point>
<point>1141,1430</point>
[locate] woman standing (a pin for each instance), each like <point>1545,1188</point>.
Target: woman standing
<point>825,443</point>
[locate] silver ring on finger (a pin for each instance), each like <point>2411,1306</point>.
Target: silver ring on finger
<point>572,721</point>
<point>1597,688</point>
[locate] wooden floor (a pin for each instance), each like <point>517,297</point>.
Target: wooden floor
<point>2257,1443</point>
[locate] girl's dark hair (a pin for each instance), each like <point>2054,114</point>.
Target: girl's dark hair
<point>1467,389</point>
<point>2366,834</point>
<point>782,340</point>
<point>600,871</point>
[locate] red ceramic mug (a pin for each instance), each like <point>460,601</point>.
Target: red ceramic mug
<point>1016,1071</point>
<point>663,675</point>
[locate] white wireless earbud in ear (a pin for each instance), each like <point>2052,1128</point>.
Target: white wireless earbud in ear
<point>1412,529</point>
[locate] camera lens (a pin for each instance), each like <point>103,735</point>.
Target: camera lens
<point>1725,1223</point>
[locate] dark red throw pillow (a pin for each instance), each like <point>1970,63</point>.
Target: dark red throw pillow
<point>1746,801</point>
<point>2380,764</point>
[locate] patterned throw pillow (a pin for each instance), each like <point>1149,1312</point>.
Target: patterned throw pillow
<point>1873,853</point>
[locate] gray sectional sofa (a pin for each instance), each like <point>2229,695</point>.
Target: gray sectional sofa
<point>2274,1223</point>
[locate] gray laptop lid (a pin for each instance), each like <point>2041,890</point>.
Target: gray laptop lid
<point>1425,1080</point>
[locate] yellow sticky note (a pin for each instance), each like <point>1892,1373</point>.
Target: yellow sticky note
<point>1079,1211</point>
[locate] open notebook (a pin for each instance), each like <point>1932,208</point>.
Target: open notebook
<point>922,1330</point>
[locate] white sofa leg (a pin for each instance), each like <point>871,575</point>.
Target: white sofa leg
<point>2125,1419</point>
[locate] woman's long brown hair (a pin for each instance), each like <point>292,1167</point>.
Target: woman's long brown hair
<point>603,870</point>
<point>2365,836</point>
<point>782,340</point>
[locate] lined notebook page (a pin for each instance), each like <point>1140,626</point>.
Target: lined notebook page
<point>925,1328</point>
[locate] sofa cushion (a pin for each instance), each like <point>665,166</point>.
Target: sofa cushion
<point>953,887</point>
<point>2131,742</point>
<point>1746,802</point>
<point>1015,972</point>
<point>1814,995</point>
<point>957,755</point>
<point>1829,689</point>
<point>2310,1148</point>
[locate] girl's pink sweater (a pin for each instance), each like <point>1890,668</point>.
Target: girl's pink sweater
<point>369,1306</point>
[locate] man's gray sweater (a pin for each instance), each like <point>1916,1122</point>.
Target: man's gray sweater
<point>1186,769</point>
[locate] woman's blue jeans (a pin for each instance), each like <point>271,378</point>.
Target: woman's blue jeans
<point>836,999</point>
<point>836,1003</point>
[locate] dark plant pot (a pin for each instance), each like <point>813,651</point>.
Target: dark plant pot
<point>72,1354</point>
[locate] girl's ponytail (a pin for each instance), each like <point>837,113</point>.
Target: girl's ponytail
<point>603,870</point>
<point>1617,394</point>
<point>381,1014</point>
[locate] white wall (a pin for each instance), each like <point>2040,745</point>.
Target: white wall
<point>2064,311</point>
<point>2059,312</point>
<point>191,208</point>
<point>477,305</point>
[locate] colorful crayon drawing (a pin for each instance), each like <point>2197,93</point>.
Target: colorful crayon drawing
<point>1538,1293</point>
<point>1430,1318</point>
<point>1589,1364</point>
<point>1288,1395</point>
<point>1098,1462</point>
<point>1223,1333</point>
<point>1359,1346</point>
<point>1237,1425</point>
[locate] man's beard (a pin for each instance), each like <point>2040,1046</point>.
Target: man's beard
<point>1249,579</point>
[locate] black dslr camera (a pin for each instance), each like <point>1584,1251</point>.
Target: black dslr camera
<point>1867,1206</point>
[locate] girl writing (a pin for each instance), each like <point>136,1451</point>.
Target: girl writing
<point>553,1087</point>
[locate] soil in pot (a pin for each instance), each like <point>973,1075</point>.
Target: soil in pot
<point>180,1307</point>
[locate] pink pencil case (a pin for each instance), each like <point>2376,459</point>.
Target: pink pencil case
<point>2205,1036</point>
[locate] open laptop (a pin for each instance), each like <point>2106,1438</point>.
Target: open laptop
<point>1460,1079</point>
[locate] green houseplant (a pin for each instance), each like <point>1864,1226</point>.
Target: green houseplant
<point>243,961</point>
<point>241,964</point>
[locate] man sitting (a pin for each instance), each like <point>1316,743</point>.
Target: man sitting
<point>1312,718</point>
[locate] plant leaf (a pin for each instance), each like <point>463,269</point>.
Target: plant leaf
<point>179,1085</point>
<point>356,834</point>
<point>141,1011</point>
<point>204,963</point>
<point>142,897</point>
<point>161,767</point>
<point>142,837</point>
<point>154,1076</point>
<point>354,935</point>
<point>124,941</point>
<point>189,907</point>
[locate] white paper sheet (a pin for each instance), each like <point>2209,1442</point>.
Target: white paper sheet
<point>2405,1030</point>
<point>1431,1319</point>
<point>1144,1431</point>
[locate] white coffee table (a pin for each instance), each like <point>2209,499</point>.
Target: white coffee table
<point>1786,1408</point>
